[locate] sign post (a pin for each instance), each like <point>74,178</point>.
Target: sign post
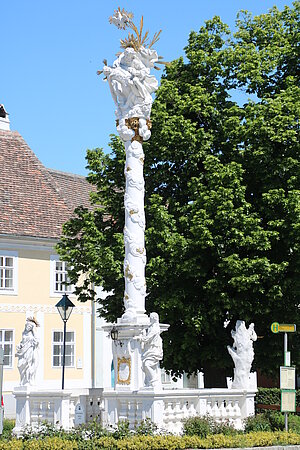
<point>287,373</point>
<point>1,384</point>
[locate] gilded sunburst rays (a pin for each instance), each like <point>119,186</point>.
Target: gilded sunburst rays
<point>122,20</point>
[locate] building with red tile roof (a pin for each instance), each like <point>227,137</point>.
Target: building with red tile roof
<point>35,202</point>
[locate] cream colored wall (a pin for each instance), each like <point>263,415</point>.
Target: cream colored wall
<point>34,273</point>
<point>54,323</point>
<point>34,289</point>
<point>34,278</point>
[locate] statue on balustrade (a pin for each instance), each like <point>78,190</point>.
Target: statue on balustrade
<point>27,353</point>
<point>242,353</point>
<point>152,353</point>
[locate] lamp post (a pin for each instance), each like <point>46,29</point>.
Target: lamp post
<point>65,307</point>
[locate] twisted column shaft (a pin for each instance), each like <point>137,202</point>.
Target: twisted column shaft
<point>134,231</point>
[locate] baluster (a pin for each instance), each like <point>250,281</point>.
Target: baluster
<point>236,409</point>
<point>171,415</point>
<point>166,414</point>
<point>209,408</point>
<point>139,412</point>
<point>177,415</point>
<point>72,412</point>
<point>123,409</point>
<point>223,413</point>
<point>185,408</point>
<point>230,409</point>
<point>215,412</point>
<point>131,413</point>
<point>192,409</point>
<point>47,414</point>
<point>41,413</point>
<point>237,415</point>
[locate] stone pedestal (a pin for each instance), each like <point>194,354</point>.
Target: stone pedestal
<point>34,405</point>
<point>248,405</point>
<point>127,356</point>
<point>22,395</point>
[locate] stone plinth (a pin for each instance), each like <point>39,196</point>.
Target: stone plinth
<point>33,406</point>
<point>127,356</point>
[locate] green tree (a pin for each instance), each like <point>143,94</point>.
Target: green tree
<point>222,197</point>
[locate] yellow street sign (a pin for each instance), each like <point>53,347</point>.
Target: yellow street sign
<point>283,327</point>
<point>287,327</point>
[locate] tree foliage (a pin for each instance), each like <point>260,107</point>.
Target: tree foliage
<point>222,196</point>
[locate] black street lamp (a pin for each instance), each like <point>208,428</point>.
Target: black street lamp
<point>65,307</point>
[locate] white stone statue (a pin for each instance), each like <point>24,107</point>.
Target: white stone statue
<point>152,353</point>
<point>131,83</point>
<point>242,353</point>
<point>27,353</point>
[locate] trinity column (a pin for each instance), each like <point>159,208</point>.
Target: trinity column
<point>137,345</point>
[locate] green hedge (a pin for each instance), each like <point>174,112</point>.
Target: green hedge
<point>271,396</point>
<point>260,439</point>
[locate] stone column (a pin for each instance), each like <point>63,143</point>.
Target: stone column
<point>134,231</point>
<point>132,85</point>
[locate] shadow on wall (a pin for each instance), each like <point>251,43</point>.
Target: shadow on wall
<point>112,374</point>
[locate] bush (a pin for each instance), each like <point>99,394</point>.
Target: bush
<point>49,443</point>
<point>271,421</point>
<point>224,427</point>
<point>294,423</point>
<point>121,430</point>
<point>268,396</point>
<point>136,442</point>
<point>276,420</point>
<point>8,425</point>
<point>271,396</point>
<point>187,442</point>
<point>91,430</point>
<point>12,444</point>
<point>43,430</point>
<point>146,428</point>
<point>197,426</point>
<point>204,425</point>
<point>260,422</point>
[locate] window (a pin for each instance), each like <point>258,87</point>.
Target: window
<point>57,346</point>
<point>59,277</point>
<point>7,343</point>
<point>8,272</point>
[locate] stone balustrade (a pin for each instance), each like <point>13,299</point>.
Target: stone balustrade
<point>166,408</point>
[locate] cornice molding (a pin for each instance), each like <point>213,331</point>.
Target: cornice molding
<point>34,308</point>
<point>28,243</point>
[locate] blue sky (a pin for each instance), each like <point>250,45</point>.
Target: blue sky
<point>50,52</point>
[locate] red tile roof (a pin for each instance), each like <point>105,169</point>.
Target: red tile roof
<point>74,189</point>
<point>35,201</point>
